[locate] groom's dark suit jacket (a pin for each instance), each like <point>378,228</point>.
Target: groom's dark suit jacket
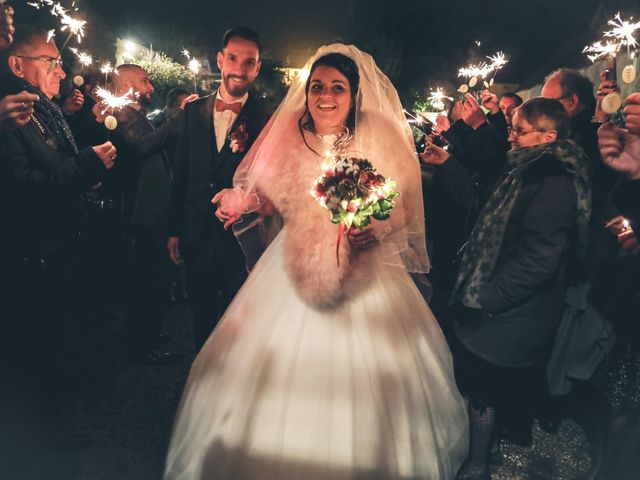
<point>200,171</point>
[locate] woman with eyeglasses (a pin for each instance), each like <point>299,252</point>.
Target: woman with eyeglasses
<point>512,278</point>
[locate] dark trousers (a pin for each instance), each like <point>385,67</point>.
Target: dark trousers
<point>149,279</point>
<point>211,290</point>
<point>215,272</point>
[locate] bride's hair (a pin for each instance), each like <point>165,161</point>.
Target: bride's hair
<point>346,67</point>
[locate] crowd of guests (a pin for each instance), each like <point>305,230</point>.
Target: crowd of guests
<point>533,216</point>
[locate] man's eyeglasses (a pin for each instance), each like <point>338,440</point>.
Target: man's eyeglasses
<point>518,132</point>
<point>52,62</point>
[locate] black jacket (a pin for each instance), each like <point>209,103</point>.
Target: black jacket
<point>144,168</point>
<point>40,187</point>
<point>523,301</point>
<point>200,171</point>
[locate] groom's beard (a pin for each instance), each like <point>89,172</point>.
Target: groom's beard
<point>236,90</point>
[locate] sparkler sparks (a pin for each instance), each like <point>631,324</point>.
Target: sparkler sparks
<point>51,35</point>
<point>622,35</point>
<point>83,57</point>
<point>484,69</point>
<point>111,101</point>
<point>437,98</point>
<point>623,31</point>
<point>75,26</point>
<point>194,65</point>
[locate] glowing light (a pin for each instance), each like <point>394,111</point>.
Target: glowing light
<point>437,98</point>
<point>194,66</point>
<point>83,57</point>
<point>623,31</point>
<point>51,35</point>
<point>622,35</point>
<point>130,46</point>
<point>484,69</point>
<point>106,68</point>
<point>601,50</point>
<point>111,101</point>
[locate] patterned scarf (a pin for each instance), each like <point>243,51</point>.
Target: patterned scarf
<point>48,113</point>
<point>482,250</point>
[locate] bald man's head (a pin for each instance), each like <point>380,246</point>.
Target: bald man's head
<point>134,77</point>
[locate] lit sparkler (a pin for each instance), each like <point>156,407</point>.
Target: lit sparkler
<point>75,26</point>
<point>194,66</point>
<point>51,35</point>
<point>106,69</point>
<point>601,50</point>
<point>623,31</point>
<point>114,102</point>
<point>83,57</point>
<point>437,98</point>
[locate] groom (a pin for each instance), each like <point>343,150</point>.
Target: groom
<point>218,130</point>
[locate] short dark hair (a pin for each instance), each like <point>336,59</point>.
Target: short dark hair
<point>242,32</point>
<point>23,36</point>
<point>572,81</point>
<point>546,114</point>
<point>515,96</point>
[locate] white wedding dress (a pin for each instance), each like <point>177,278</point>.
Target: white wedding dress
<point>360,387</point>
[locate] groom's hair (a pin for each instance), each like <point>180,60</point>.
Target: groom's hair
<point>245,33</point>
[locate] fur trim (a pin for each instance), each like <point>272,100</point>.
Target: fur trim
<point>310,237</point>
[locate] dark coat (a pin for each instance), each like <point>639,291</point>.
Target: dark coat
<point>144,168</point>
<point>200,171</point>
<point>40,187</point>
<point>523,301</point>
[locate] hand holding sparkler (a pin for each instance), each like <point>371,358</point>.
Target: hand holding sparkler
<point>472,114</point>
<point>632,113</point>
<point>629,241</point>
<point>490,101</point>
<point>607,86</point>
<point>442,125</point>
<point>620,150</point>
<point>73,102</point>
<point>110,103</point>
<point>433,154</point>
<point>6,26</point>
<point>16,110</point>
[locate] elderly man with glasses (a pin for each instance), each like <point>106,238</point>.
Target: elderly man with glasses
<point>42,176</point>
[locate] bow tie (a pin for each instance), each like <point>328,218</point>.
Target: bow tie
<point>235,107</point>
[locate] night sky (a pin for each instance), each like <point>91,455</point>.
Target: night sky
<point>414,41</point>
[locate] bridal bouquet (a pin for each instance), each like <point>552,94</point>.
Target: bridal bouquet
<point>353,192</point>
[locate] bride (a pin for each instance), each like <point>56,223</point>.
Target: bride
<point>324,370</point>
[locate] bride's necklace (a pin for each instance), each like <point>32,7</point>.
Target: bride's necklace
<point>336,143</point>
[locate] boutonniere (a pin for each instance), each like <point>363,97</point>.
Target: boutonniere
<point>238,138</point>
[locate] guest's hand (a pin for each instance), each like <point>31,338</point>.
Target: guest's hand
<point>456,111</point>
<point>173,247</point>
<point>16,110</point>
<point>472,114</point>
<point>190,98</point>
<point>6,26</point>
<point>442,125</point>
<point>362,238</point>
<point>106,153</point>
<point>605,88</point>
<point>616,225</point>
<point>100,110</point>
<point>629,241</point>
<point>632,113</point>
<point>224,212</point>
<point>73,102</point>
<point>620,150</point>
<point>434,155</point>
<point>490,101</point>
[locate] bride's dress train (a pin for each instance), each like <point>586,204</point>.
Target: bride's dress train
<point>284,391</point>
